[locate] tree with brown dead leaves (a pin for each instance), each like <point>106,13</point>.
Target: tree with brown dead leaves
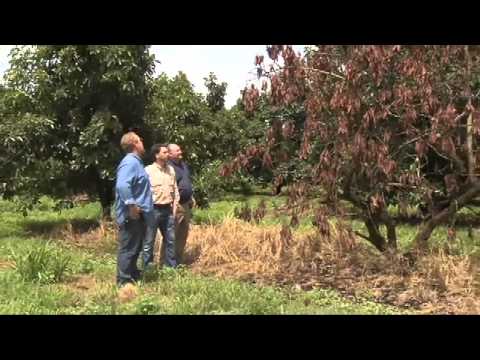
<point>384,124</point>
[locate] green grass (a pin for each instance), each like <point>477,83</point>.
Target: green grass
<point>42,263</point>
<point>184,293</point>
<point>163,292</point>
<point>218,210</point>
<point>174,292</point>
<point>43,220</point>
<point>222,209</point>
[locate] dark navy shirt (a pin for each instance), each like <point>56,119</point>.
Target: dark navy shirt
<point>132,187</point>
<point>184,182</point>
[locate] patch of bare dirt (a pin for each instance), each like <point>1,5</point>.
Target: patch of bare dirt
<point>82,283</point>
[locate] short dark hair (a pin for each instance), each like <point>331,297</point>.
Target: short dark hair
<point>156,149</point>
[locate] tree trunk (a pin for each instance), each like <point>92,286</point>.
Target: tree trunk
<point>421,239</point>
<point>391,230</point>
<point>106,199</point>
<point>391,236</point>
<point>106,195</point>
<point>106,210</point>
<point>375,237</point>
<point>470,154</point>
<point>277,187</point>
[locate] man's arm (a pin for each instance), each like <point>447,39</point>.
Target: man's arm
<point>176,198</point>
<point>193,203</point>
<point>126,176</point>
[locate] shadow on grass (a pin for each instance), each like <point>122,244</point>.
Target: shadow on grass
<point>151,276</point>
<point>55,227</point>
<point>192,255</point>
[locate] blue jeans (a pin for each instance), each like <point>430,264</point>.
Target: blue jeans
<point>162,219</point>
<point>131,234</point>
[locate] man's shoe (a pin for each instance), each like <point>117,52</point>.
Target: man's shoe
<point>137,275</point>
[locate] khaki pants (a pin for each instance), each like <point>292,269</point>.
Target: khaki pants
<point>182,225</point>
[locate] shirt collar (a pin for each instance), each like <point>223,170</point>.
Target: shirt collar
<point>136,156</point>
<point>177,163</point>
<point>160,167</point>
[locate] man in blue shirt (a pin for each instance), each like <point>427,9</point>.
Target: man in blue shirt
<point>133,206</point>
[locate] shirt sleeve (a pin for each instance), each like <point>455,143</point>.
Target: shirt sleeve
<point>175,187</point>
<point>189,170</point>
<point>149,172</point>
<point>125,178</point>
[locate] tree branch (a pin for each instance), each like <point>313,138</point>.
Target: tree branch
<point>347,192</point>
<point>455,204</point>
<point>358,233</point>
<point>326,73</point>
<point>454,158</point>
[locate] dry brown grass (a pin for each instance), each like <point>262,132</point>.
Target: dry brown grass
<point>436,283</point>
<point>82,284</point>
<point>102,238</point>
<point>6,264</point>
<point>448,282</point>
<point>239,249</point>
<point>127,293</point>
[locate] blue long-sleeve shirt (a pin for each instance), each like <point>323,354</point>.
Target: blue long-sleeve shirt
<point>132,187</point>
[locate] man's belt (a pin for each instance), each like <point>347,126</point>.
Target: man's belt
<point>162,206</point>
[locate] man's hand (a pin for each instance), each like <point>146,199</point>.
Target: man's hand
<point>134,212</point>
<point>174,209</point>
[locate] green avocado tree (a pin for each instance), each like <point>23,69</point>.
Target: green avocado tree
<point>63,110</point>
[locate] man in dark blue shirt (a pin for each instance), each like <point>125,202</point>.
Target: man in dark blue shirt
<point>133,207</point>
<point>184,213</point>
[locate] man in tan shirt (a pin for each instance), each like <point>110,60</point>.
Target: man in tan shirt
<point>165,199</point>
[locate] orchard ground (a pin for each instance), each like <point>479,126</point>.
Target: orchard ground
<point>64,263</point>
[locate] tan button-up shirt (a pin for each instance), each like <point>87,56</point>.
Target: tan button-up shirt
<point>163,184</point>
